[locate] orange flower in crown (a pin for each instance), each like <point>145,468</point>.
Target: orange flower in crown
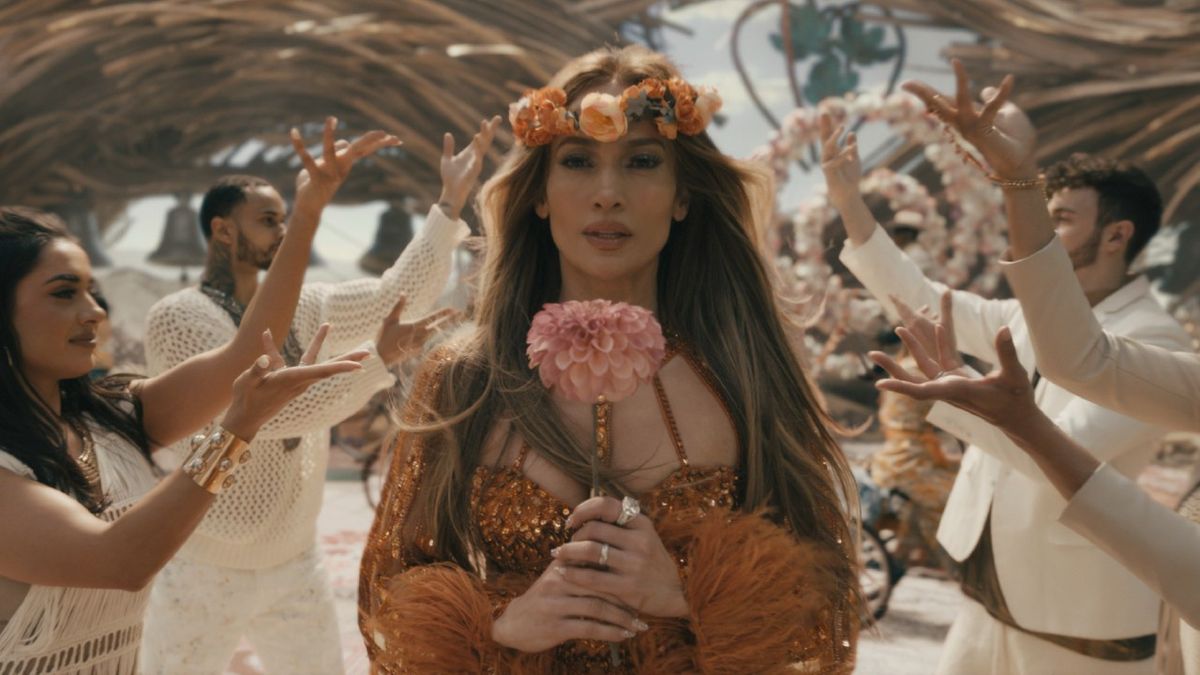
<point>541,115</point>
<point>602,116</point>
<point>674,105</point>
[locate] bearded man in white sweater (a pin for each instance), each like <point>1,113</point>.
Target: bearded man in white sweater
<point>252,569</point>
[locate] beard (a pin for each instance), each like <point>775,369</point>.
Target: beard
<point>1086,253</point>
<point>259,257</point>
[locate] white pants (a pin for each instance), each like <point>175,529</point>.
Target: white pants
<point>978,645</point>
<point>199,613</point>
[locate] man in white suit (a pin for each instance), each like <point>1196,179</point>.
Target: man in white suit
<point>1041,598</point>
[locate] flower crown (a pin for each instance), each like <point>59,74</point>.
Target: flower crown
<point>675,106</point>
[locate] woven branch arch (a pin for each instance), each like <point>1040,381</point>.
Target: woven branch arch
<point>117,100</point>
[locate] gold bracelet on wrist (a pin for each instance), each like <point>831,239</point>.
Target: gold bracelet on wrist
<point>1035,183</point>
<point>214,458</point>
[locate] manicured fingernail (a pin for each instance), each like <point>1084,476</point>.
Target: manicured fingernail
<point>263,361</point>
<point>554,552</point>
<point>627,633</point>
<point>641,625</point>
<point>561,571</point>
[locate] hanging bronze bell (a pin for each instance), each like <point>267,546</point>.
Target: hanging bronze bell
<point>394,233</point>
<point>181,244</point>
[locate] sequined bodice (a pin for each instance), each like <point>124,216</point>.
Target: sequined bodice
<point>519,521</point>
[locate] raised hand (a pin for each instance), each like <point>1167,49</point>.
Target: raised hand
<point>629,562</point>
<point>840,162</point>
<point>264,388</point>
<point>320,179</point>
<point>997,128</point>
<point>930,335</point>
<point>1003,397</point>
<point>461,171</point>
<point>554,610</point>
<point>399,340</point>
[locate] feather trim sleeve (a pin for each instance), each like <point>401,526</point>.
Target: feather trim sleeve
<point>761,599</point>
<point>438,618</point>
<point>417,614</point>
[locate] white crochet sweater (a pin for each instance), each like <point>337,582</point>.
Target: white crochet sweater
<point>269,515</point>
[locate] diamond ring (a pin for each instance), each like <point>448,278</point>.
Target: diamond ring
<point>630,508</point>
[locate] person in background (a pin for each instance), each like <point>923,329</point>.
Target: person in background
<point>83,526</point>
<point>1033,604</point>
<point>252,568</point>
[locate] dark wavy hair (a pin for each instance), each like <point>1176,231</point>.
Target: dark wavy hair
<point>1125,193</point>
<point>29,428</point>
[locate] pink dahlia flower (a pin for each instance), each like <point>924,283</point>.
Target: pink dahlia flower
<point>593,348</point>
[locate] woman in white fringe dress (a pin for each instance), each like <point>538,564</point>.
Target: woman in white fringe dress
<point>85,522</point>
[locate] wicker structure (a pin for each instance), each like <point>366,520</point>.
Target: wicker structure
<point>104,101</point>
<point>1113,77</point>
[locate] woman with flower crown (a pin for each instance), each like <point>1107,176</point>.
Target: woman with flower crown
<point>719,539</point>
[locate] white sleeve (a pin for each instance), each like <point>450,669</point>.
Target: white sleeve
<point>10,463</point>
<point>1073,351</point>
<point>884,270</point>
<point>1106,434</point>
<point>1159,546</point>
<point>330,401</point>
<point>181,326</point>
<point>356,308</point>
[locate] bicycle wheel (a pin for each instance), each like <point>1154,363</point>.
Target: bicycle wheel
<point>875,574</point>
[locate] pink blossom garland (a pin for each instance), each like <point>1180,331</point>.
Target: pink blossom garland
<point>977,206</point>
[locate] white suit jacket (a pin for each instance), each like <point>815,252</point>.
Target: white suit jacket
<point>1053,579</point>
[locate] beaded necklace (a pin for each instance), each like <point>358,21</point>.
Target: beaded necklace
<point>291,345</point>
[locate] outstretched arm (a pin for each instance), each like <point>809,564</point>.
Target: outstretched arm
<point>331,401</point>
<point>46,533</point>
<point>882,267</point>
<point>191,394</point>
<point>356,307</point>
<point>1073,351</point>
<point>1161,547</point>
<point>1006,138</point>
<point>843,172</point>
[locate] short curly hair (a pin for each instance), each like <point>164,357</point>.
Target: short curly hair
<point>1125,193</point>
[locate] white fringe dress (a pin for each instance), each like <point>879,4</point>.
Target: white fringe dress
<point>82,630</point>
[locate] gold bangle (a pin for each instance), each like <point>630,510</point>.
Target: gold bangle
<point>214,459</point>
<point>1037,182</point>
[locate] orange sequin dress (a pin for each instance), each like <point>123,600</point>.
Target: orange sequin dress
<point>410,602</point>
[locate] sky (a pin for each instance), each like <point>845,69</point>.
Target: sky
<point>704,57</point>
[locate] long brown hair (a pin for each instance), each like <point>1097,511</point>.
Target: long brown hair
<point>714,292</point>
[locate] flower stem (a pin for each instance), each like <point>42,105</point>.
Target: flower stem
<point>601,440</point>
<point>601,452</point>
